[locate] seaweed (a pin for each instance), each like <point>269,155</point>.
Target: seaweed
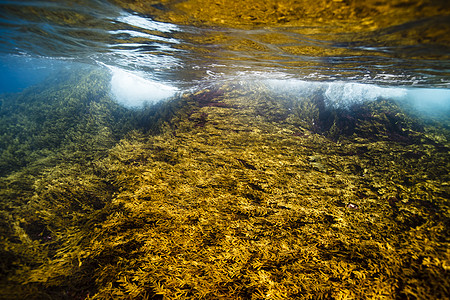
<point>258,197</point>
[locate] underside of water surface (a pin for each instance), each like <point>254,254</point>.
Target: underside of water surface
<point>399,42</point>
<point>224,150</point>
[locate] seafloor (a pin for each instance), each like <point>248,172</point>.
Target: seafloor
<point>230,192</point>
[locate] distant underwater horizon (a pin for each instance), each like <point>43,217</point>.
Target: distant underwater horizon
<point>204,149</point>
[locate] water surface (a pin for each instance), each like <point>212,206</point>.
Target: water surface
<point>187,42</point>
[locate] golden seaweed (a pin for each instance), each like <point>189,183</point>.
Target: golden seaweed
<point>229,193</point>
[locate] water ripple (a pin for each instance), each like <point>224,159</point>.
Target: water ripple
<point>410,52</point>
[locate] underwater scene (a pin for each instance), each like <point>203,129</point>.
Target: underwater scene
<point>212,149</point>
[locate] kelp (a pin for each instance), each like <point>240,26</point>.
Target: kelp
<point>232,192</point>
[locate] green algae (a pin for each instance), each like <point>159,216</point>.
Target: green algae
<point>229,192</point>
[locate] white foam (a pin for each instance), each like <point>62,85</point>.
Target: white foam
<point>337,94</point>
<point>132,90</point>
<point>343,94</point>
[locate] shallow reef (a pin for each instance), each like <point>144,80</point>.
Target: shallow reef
<point>229,192</point>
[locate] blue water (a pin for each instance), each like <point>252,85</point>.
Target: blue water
<point>20,72</point>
